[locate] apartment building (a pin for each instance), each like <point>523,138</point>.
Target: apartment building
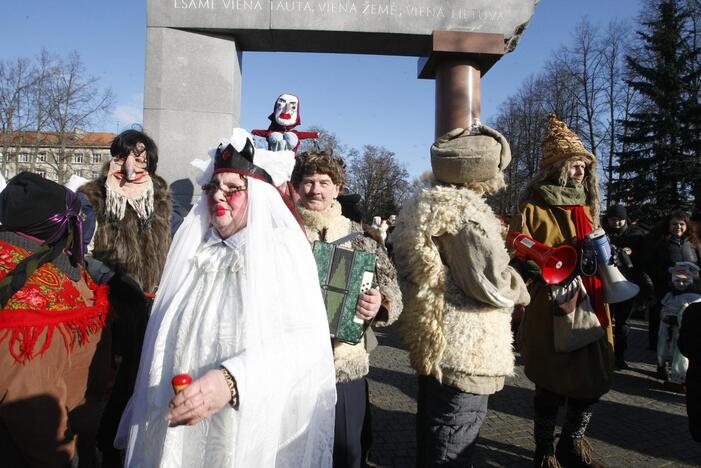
<point>40,152</point>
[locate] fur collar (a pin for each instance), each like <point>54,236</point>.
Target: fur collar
<point>320,219</point>
<point>326,226</point>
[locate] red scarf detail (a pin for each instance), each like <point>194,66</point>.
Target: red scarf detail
<point>46,304</point>
<point>591,283</point>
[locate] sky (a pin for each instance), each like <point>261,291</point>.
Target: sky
<point>362,99</point>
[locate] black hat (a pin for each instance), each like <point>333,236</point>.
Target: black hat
<point>228,159</point>
<point>617,211</point>
<point>47,211</point>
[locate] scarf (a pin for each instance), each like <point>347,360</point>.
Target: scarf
<point>591,283</point>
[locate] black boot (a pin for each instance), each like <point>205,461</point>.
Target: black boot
<point>544,457</point>
<point>620,362</point>
<point>576,453</point>
<point>546,405</point>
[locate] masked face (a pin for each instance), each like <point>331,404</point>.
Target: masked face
<point>286,110</point>
<point>131,168</point>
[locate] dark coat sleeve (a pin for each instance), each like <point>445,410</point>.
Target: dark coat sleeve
<point>690,333</point>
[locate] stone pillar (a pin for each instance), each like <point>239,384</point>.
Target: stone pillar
<point>457,95</point>
<point>192,97</point>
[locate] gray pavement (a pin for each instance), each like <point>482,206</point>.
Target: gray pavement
<point>638,423</point>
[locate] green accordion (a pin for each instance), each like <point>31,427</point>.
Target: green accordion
<point>343,275</point>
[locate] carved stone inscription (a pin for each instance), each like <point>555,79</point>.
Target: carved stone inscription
<point>403,16</point>
<point>344,7</point>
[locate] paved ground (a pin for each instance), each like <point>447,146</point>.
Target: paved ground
<point>637,424</point>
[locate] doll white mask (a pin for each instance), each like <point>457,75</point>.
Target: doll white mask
<point>286,109</point>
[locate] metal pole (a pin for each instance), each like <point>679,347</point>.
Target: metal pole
<point>457,95</point>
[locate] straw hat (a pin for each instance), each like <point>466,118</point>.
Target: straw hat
<point>561,143</point>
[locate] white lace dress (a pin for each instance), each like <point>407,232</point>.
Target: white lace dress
<point>263,319</point>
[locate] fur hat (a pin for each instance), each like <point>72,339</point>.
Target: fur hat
<point>561,143</point>
<point>461,157</point>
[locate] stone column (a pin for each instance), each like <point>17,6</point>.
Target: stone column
<point>192,97</point>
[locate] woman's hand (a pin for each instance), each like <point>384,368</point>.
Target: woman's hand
<point>201,399</point>
<point>369,304</point>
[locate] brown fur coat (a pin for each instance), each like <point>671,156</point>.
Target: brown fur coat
<point>130,247</point>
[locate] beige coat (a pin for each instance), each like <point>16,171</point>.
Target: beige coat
<point>353,361</point>
<point>583,373</point>
<point>459,291</point>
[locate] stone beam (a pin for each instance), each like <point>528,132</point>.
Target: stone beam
<point>386,27</point>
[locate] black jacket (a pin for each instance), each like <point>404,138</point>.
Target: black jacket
<point>664,254</point>
<point>690,346</point>
<point>632,237</point>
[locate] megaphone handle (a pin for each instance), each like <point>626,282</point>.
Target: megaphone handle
<point>592,258</point>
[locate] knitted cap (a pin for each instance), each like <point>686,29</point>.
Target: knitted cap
<point>561,143</point>
<point>617,211</point>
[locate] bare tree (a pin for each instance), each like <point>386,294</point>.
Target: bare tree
<point>380,180</point>
<point>327,141</point>
<point>17,79</point>
<point>617,95</point>
<point>73,101</point>
<point>580,65</point>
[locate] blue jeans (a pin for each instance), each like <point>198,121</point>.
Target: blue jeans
<point>448,422</point>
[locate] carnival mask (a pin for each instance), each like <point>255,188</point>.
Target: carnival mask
<point>286,110</point>
<point>128,181</point>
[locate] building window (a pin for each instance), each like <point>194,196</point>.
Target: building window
<point>96,158</point>
<point>41,172</point>
<point>41,157</point>
<point>2,156</point>
<point>23,158</point>
<point>78,158</point>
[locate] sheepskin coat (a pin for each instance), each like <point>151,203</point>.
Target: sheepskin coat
<point>586,372</point>
<point>459,290</point>
<point>131,246</point>
<point>352,361</point>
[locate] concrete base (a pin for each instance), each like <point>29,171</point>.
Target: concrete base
<point>192,98</point>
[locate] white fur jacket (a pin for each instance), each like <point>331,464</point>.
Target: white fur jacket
<point>458,288</point>
<point>352,361</point>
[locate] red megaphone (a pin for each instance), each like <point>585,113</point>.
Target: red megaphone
<point>556,263</point>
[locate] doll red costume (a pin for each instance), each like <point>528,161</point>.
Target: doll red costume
<point>281,135</point>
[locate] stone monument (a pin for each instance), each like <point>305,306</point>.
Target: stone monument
<point>193,57</point>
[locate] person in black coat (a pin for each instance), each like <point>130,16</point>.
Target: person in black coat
<point>628,243</point>
<point>673,240</point>
<point>690,346</point>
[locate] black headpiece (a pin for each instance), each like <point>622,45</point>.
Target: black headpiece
<point>228,159</point>
<point>47,211</point>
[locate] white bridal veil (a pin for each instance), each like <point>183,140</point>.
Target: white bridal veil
<point>258,311</point>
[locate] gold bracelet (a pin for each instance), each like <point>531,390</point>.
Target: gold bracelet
<point>231,382</point>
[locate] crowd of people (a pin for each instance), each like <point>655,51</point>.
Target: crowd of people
<point>108,294</point>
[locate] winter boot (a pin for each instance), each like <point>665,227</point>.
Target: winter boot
<point>545,458</point>
<point>576,453</point>
<point>544,431</point>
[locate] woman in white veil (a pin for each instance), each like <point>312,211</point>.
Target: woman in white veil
<point>246,306</point>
